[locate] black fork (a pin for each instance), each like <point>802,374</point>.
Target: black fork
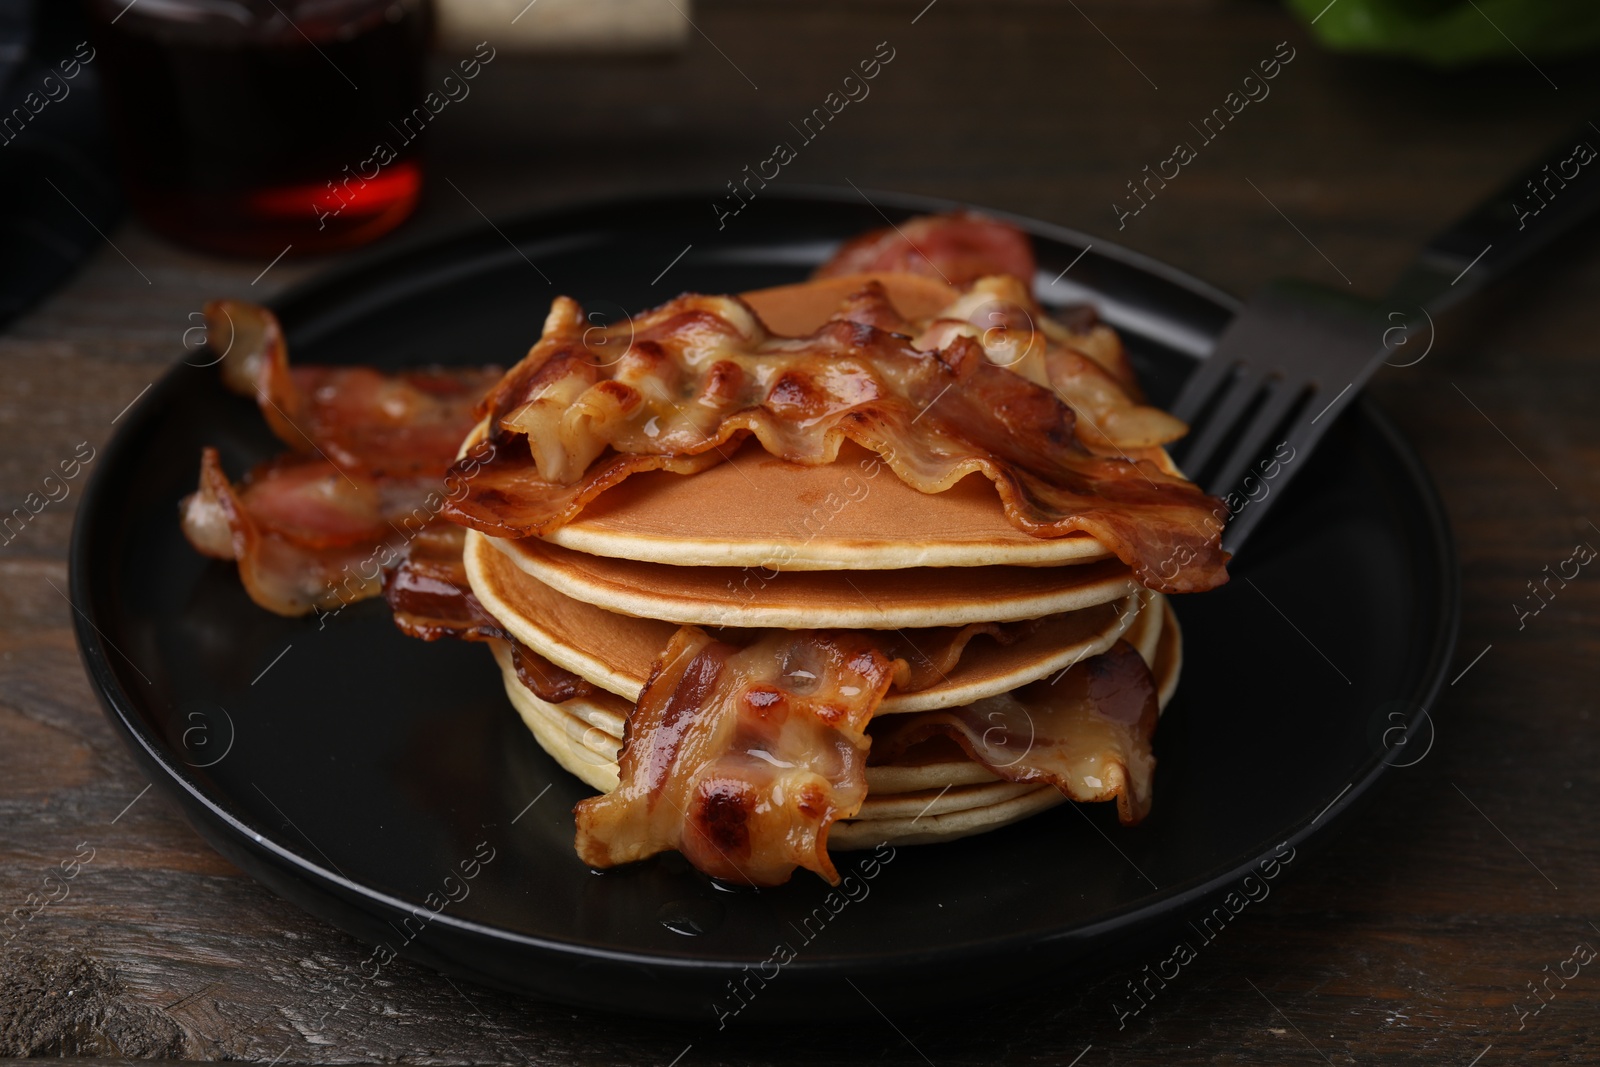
<point>1298,354</point>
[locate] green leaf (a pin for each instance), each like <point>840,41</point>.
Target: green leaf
<point>1453,33</point>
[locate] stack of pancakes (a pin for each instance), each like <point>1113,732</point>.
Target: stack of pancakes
<point>977,607</point>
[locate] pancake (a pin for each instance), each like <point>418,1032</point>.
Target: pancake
<point>1166,663</point>
<point>796,310</point>
<point>854,834</point>
<point>595,723</point>
<point>936,794</point>
<point>866,600</point>
<point>616,652</point>
<point>756,510</point>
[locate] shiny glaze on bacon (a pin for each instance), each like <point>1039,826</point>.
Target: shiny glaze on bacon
<point>742,759</point>
<point>1088,368</point>
<point>1088,733</point>
<point>958,248</point>
<point>1080,358</point>
<point>702,374</point>
<point>544,679</point>
<point>315,529</point>
<point>429,594</point>
<point>722,760</point>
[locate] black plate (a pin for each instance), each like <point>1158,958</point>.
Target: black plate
<point>364,775</point>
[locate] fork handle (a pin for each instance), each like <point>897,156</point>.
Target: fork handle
<point>1560,190</point>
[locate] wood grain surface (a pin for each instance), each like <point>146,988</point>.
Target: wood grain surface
<point>1409,939</point>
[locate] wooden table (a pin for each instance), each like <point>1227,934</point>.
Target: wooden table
<point>1410,938</point>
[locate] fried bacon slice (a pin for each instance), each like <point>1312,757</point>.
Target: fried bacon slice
<point>702,374</point>
<point>308,535</point>
<point>925,656</point>
<point>316,529</point>
<point>1088,733</point>
<point>544,679</point>
<point>304,539</point>
<point>1088,370</point>
<point>742,759</point>
<point>958,248</point>
<point>1079,357</point>
<point>429,594</point>
<point>1084,364</point>
<point>431,599</point>
<point>403,424</point>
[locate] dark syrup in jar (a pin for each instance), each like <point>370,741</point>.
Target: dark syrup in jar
<point>247,126</point>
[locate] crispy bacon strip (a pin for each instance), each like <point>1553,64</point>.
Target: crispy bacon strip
<point>429,594</point>
<point>1081,358</point>
<point>959,248</point>
<point>309,536</point>
<point>304,539</point>
<point>1088,733</point>
<point>431,598</point>
<point>405,424</point>
<point>924,657</point>
<point>544,679</point>
<point>316,529</point>
<point>1085,365</point>
<point>1088,370</point>
<point>702,375</point>
<point>742,759</point>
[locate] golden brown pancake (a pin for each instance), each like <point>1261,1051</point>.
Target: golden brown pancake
<point>756,510</point>
<point>616,652</point>
<point>863,600</point>
<point>934,828</point>
<point>796,310</point>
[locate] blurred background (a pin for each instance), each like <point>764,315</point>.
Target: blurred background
<point>230,148</point>
<point>247,126</point>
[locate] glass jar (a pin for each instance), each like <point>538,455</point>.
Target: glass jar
<point>252,127</point>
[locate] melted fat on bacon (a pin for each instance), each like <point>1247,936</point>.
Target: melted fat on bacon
<point>1087,369</point>
<point>389,424</point>
<point>993,262</point>
<point>544,679</point>
<point>742,759</point>
<point>1079,357</point>
<point>1088,733</point>
<point>702,374</point>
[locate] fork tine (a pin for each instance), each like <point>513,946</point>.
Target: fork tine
<point>1302,435</point>
<point>1235,398</point>
<point>1198,387</point>
<point>1280,401</point>
<point>1239,527</point>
